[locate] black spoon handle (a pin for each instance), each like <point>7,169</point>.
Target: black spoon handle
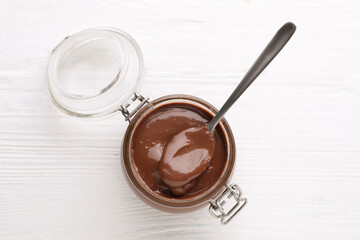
<point>272,49</point>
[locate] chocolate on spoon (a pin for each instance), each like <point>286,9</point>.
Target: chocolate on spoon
<point>185,157</point>
<point>187,154</point>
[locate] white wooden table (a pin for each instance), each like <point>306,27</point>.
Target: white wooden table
<point>297,128</point>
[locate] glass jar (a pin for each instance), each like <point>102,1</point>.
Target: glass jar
<point>96,73</point>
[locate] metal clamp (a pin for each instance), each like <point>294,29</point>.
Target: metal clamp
<point>218,208</point>
<point>125,108</point>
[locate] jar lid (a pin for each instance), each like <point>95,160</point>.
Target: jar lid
<point>95,71</point>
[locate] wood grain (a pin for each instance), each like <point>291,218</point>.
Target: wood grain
<point>297,127</point>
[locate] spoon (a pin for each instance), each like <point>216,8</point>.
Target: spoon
<point>272,49</point>
<point>188,154</point>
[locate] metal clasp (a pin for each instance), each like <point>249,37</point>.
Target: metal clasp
<point>219,208</point>
<point>125,108</point>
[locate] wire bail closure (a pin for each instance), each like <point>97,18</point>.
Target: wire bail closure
<point>128,114</point>
<point>217,207</point>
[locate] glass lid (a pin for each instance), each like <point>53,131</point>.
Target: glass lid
<point>95,71</point>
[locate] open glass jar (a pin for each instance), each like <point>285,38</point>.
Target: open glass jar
<point>96,73</point>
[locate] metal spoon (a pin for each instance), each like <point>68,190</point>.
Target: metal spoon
<point>194,147</point>
<point>272,49</point>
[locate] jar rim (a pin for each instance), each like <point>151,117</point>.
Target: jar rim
<point>105,99</point>
<point>141,187</point>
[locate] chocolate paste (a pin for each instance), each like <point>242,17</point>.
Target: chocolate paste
<point>185,157</point>
<point>152,135</point>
